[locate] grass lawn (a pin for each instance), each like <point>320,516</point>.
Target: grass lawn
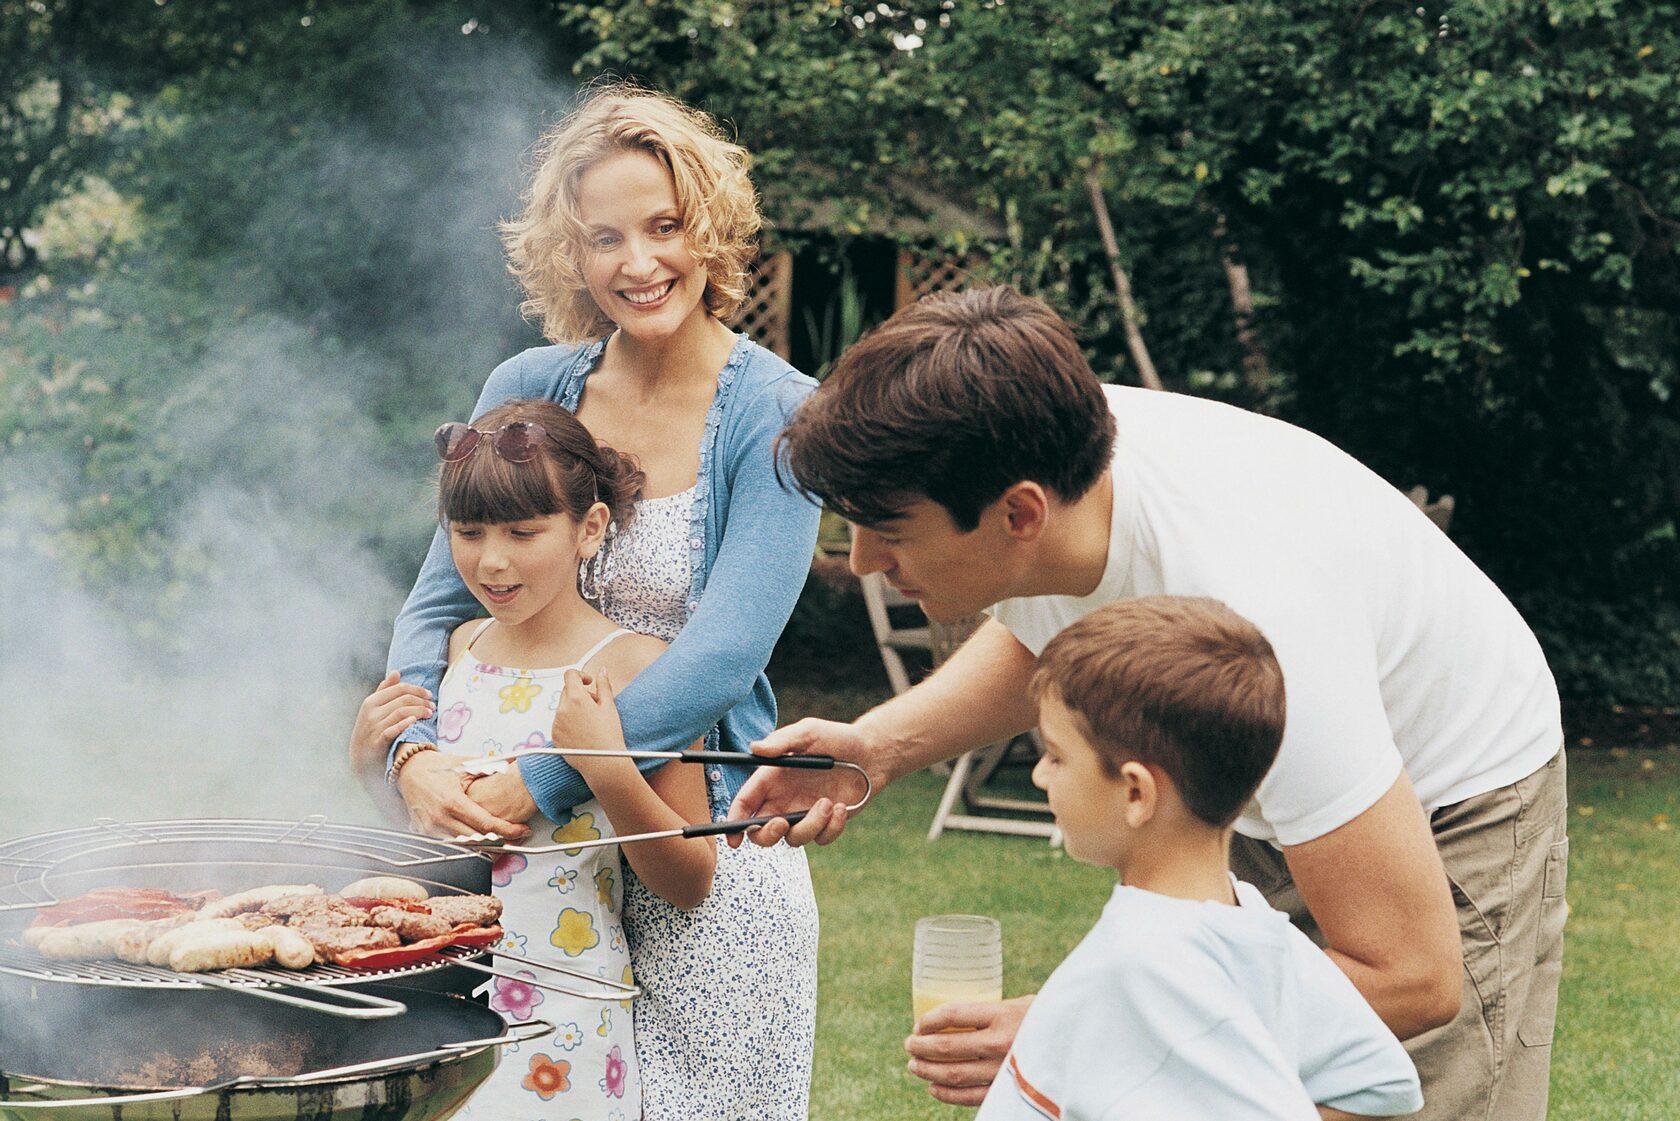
<point>1619,1014</point>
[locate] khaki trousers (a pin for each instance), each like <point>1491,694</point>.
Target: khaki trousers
<point>1507,857</point>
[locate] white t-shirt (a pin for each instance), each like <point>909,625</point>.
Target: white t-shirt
<point>1396,649</point>
<point>1172,1010</point>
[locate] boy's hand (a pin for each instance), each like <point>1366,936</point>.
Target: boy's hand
<point>958,1048</point>
<point>588,717</point>
<point>389,711</point>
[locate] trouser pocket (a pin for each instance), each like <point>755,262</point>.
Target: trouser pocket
<point>1539,1014</point>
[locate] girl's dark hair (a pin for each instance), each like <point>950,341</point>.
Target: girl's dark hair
<point>570,473</point>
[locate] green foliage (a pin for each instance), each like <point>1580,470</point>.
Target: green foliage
<point>1461,225</point>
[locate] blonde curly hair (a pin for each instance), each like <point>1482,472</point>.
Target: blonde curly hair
<point>546,245</point>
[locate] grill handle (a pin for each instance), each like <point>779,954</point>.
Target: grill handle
<point>515,1033</point>
<point>345,1003</point>
<point>608,991</point>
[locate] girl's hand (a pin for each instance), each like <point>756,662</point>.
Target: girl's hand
<point>587,717</point>
<point>435,793</point>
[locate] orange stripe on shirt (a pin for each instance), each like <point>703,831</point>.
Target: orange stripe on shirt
<point>1035,1097</point>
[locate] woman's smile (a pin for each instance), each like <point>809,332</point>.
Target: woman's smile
<point>650,296</point>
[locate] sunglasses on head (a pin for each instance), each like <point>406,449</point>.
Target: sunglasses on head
<point>516,441</point>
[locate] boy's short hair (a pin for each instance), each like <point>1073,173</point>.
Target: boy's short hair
<point>956,398</point>
<point>1178,682</point>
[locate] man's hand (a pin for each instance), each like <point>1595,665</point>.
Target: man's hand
<point>389,711</point>
<point>435,793</point>
<point>825,794</point>
<point>958,1048</point>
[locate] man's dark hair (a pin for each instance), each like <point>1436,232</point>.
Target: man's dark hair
<point>956,398</point>
<point>1178,682</point>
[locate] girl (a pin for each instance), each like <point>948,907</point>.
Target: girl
<point>526,495</point>
<point>633,250</point>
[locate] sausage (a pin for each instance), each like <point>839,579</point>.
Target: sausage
<point>253,900</point>
<point>164,944</point>
<point>88,941</point>
<point>384,887</point>
<point>222,949</point>
<point>291,949</point>
<point>132,945</point>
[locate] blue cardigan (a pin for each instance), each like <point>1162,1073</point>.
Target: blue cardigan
<point>750,543</point>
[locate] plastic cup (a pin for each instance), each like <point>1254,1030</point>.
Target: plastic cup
<point>955,958</point>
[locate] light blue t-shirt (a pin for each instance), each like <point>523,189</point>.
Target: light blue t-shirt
<point>1172,1010</point>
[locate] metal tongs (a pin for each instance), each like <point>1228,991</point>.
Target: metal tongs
<point>495,842</point>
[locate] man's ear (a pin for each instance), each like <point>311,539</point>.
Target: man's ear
<point>1026,510</point>
<point>1139,794</point>
<point>592,529</point>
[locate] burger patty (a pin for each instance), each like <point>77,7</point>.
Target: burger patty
<point>480,910</point>
<point>332,940</point>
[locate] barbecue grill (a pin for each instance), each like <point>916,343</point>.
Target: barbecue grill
<point>73,1053</point>
<point>231,855</point>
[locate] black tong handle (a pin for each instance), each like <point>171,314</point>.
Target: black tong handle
<point>738,758</point>
<point>714,828</point>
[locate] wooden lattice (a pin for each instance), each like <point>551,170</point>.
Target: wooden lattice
<point>767,314</point>
<point>922,273</point>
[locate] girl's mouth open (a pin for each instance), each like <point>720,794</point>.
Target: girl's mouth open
<point>500,593</point>
<point>650,297</point>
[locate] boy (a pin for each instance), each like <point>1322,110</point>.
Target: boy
<point>1190,998</point>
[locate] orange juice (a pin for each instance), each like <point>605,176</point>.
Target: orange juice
<point>925,999</point>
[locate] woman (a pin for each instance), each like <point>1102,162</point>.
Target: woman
<point>640,221</point>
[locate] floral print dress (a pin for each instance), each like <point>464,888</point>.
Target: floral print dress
<point>562,908</point>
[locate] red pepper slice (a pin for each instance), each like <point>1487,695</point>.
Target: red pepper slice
<point>466,934</point>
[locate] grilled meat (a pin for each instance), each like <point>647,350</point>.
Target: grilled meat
<point>88,941</point>
<point>291,949</point>
<point>411,926</point>
<point>385,887</point>
<point>331,940</point>
<point>253,900</point>
<point>480,910</point>
<point>221,949</point>
<point>326,910</point>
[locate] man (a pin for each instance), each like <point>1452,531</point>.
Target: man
<point>1414,821</point>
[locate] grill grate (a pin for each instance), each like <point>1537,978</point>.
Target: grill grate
<point>23,962</point>
<point>26,862</point>
<point>142,852</point>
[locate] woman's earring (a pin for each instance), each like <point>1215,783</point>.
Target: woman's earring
<point>586,578</point>
<point>593,572</point>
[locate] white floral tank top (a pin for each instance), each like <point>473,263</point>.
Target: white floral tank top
<point>562,908</point>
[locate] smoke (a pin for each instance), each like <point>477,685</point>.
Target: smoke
<point>219,674</point>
